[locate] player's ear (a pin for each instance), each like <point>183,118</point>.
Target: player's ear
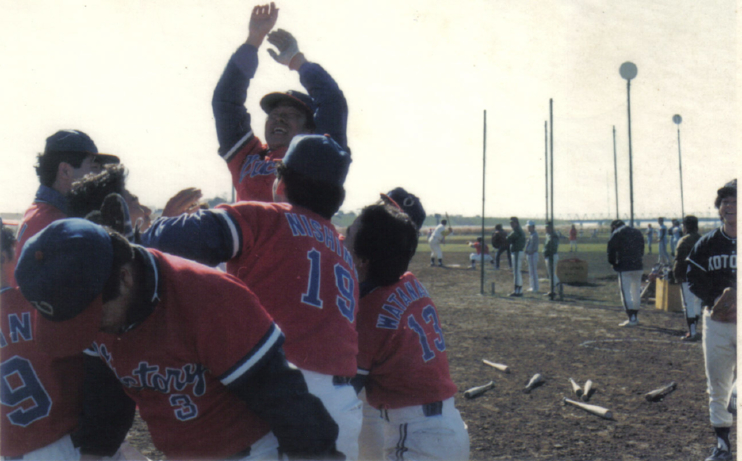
<point>279,190</point>
<point>126,278</point>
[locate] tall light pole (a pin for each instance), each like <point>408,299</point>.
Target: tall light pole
<point>628,71</point>
<point>678,120</point>
<point>615,168</point>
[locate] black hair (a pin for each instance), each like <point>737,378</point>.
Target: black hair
<point>123,253</point>
<point>498,227</point>
<point>479,239</point>
<point>691,223</point>
<point>729,190</point>
<point>387,238</point>
<point>444,222</point>
<point>88,193</point>
<point>47,164</point>
<point>318,196</point>
<point>616,223</point>
<point>7,242</point>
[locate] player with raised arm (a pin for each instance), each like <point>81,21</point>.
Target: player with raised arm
<point>402,360</point>
<point>323,111</point>
<point>712,276</point>
<point>191,346</point>
<point>291,256</point>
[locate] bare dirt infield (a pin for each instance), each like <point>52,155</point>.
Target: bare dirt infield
<point>577,337</point>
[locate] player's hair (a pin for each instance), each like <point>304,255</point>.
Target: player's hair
<point>691,223</point>
<point>498,226</point>
<point>318,196</point>
<point>729,190</point>
<point>122,253</point>
<point>88,193</point>
<point>479,239</point>
<point>387,238</point>
<point>47,164</point>
<point>7,242</point>
<point>616,223</point>
<point>444,222</point>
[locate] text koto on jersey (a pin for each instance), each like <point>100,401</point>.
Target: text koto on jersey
<point>712,266</point>
<point>401,347</point>
<point>295,262</point>
<point>177,363</point>
<point>41,397</point>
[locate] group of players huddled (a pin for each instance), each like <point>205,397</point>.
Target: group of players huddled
<point>105,312</point>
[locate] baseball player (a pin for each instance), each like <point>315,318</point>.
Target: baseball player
<point>290,255</point>
<point>69,155</point>
<point>551,258</point>
<point>402,359</point>
<point>573,238</point>
<point>691,303</point>
<point>499,242</point>
<point>650,237</point>
<point>323,110</point>
<point>436,238</point>
<point>41,395</point>
<point>531,251</point>
<point>712,276</point>
<point>517,241</point>
<point>625,253</point>
<point>482,253</point>
<point>662,241</point>
<point>675,234</point>
<point>210,382</point>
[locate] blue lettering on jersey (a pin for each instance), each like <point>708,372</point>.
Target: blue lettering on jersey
<point>387,323</point>
<point>295,224</point>
<point>393,299</point>
<point>329,239</point>
<point>318,232</point>
<point>396,312</point>
<point>411,291</point>
<point>421,289</point>
<point>301,226</point>
<point>255,166</point>
<point>20,327</point>
<point>403,296</point>
<point>3,341</point>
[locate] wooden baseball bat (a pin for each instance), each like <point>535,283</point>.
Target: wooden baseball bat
<point>594,409</point>
<point>576,389</point>
<point>536,381</point>
<point>589,390</point>
<point>499,366</point>
<point>659,394</point>
<point>477,391</point>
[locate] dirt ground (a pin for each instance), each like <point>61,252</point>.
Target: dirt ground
<point>576,337</point>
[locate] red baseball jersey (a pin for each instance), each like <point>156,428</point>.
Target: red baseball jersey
<point>478,247</point>
<point>36,218</point>
<point>41,397</point>
<point>401,347</point>
<point>295,262</point>
<point>206,331</point>
<point>253,170</point>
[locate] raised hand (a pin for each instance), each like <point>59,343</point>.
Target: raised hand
<point>185,201</point>
<point>286,44</point>
<point>262,20</point>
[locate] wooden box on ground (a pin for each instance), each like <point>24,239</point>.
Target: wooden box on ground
<point>667,296</point>
<point>572,270</point>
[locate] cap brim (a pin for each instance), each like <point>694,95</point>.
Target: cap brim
<point>69,337</point>
<point>107,159</point>
<point>271,100</point>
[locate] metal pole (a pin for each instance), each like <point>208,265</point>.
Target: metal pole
<point>546,167</point>
<point>484,242</point>
<point>631,164</point>
<point>680,162</point>
<point>551,143</point>
<point>615,168</point>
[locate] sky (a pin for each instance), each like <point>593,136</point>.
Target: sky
<point>418,75</point>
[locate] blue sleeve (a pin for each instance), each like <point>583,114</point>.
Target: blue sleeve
<point>228,103</point>
<point>208,236</point>
<point>331,109</point>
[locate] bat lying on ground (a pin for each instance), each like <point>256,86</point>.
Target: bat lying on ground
<point>576,389</point>
<point>659,394</point>
<point>594,409</point>
<point>535,382</point>
<point>499,366</point>
<point>589,391</point>
<point>477,391</point>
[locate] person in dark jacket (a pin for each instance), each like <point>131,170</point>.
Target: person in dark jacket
<point>499,243</point>
<point>691,302</point>
<point>625,253</point>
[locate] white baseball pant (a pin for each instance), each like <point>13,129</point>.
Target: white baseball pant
<point>720,357</point>
<point>61,450</point>
<point>691,302</point>
<point>476,257</point>
<point>549,270</point>
<point>533,271</point>
<point>435,249</point>
<point>371,440</point>
<point>630,285</point>
<point>517,265</point>
<point>343,405</point>
<point>664,257</point>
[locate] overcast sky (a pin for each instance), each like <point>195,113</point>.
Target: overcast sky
<point>418,75</point>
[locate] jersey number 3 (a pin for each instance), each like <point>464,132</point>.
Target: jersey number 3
<point>429,315</point>
<point>345,300</point>
<point>19,383</point>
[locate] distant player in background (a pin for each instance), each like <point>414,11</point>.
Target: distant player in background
<point>191,346</point>
<point>572,239</point>
<point>650,237</point>
<point>402,360</point>
<point>531,251</point>
<point>482,253</point>
<point>675,234</point>
<point>500,243</point>
<point>712,276</point>
<point>68,156</point>
<point>436,238</point>
<point>625,253</point>
<point>517,241</point>
<point>551,257</point>
<point>691,303</point>
<point>322,111</point>
<point>662,241</point>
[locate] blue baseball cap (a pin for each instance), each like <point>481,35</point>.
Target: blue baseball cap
<point>76,141</point>
<point>62,271</point>
<point>410,204</point>
<point>298,99</point>
<point>319,158</point>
